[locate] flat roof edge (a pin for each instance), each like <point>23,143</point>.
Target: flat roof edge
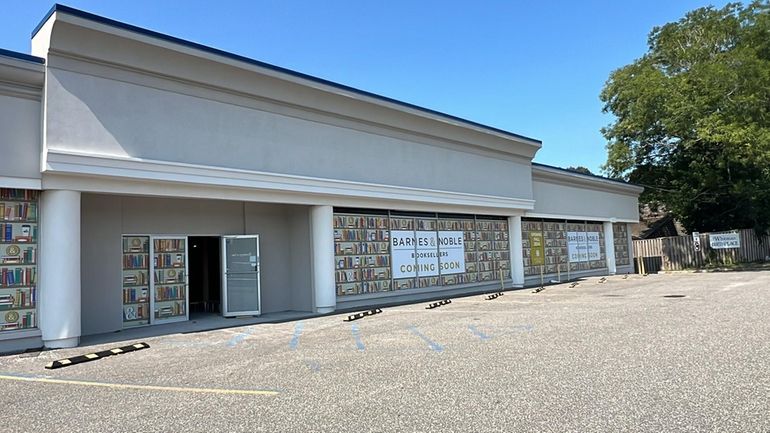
<point>21,56</point>
<point>588,177</point>
<point>189,44</point>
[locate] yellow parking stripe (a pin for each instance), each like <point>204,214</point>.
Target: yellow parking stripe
<point>139,387</point>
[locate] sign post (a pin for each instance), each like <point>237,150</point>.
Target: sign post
<point>500,269</point>
<point>696,247</point>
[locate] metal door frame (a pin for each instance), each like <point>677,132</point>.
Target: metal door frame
<point>225,312</point>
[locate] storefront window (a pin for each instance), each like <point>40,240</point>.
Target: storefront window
<point>392,251</point>
<point>18,259</point>
<point>620,234</point>
<point>569,246</point>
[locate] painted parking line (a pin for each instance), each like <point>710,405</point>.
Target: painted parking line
<point>239,337</point>
<point>357,337</point>
<point>432,344</point>
<point>186,344</point>
<point>523,328</point>
<point>295,338</point>
<point>313,365</point>
<point>475,331</point>
<point>137,387</point>
<point>516,329</point>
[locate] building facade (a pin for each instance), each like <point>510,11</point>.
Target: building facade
<point>143,177</point>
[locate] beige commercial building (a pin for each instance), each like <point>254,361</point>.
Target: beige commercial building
<point>144,178</point>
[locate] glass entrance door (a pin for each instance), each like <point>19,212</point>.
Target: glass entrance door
<point>240,282</point>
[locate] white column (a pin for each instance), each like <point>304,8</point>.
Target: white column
<point>517,253</point>
<point>609,247</point>
<point>60,268</point>
<point>322,232</point>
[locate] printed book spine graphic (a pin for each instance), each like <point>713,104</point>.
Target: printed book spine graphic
<point>18,258</point>
<point>570,246</point>
<point>387,252</point>
<point>361,248</point>
<point>620,240</point>
<point>136,289</point>
<point>169,279</point>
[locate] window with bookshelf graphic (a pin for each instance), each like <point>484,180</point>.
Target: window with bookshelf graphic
<point>529,226</point>
<point>364,254</point>
<point>18,258</point>
<point>468,227</point>
<point>169,279</point>
<point>136,281</point>
<point>432,279</point>
<point>556,254</point>
<point>620,239</point>
<point>601,262</point>
<point>556,246</point>
<point>403,224</point>
<point>578,226</point>
<point>361,254</point>
<point>493,255</point>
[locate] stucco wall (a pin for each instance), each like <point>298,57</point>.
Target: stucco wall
<point>94,114</point>
<point>581,202</point>
<point>19,137</point>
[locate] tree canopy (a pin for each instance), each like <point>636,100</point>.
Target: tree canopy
<point>692,118</point>
<point>579,169</point>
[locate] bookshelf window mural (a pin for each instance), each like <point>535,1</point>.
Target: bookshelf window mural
<point>391,251</point>
<point>570,246</point>
<point>136,281</point>
<point>620,239</point>
<point>18,258</point>
<point>169,279</point>
<point>154,280</point>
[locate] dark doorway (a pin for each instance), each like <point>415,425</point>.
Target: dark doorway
<point>205,274</point>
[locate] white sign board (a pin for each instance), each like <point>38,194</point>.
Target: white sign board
<point>594,250</point>
<point>451,252</point>
<point>422,253</point>
<point>577,248</point>
<point>720,241</point>
<point>427,254</point>
<point>583,246</point>
<point>402,248</point>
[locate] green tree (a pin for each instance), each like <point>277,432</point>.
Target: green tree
<point>579,169</point>
<point>692,118</point>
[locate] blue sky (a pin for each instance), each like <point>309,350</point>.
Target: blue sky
<point>532,68</point>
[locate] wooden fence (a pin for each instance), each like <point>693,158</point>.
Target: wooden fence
<point>678,252</point>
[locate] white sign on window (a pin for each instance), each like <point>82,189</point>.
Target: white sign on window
<point>724,240</point>
<point>583,246</point>
<point>427,254</point>
<point>594,250</point>
<point>402,247</point>
<point>423,253</point>
<point>577,248</point>
<point>451,252</point>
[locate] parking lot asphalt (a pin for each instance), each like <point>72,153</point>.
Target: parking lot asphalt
<point>616,356</point>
